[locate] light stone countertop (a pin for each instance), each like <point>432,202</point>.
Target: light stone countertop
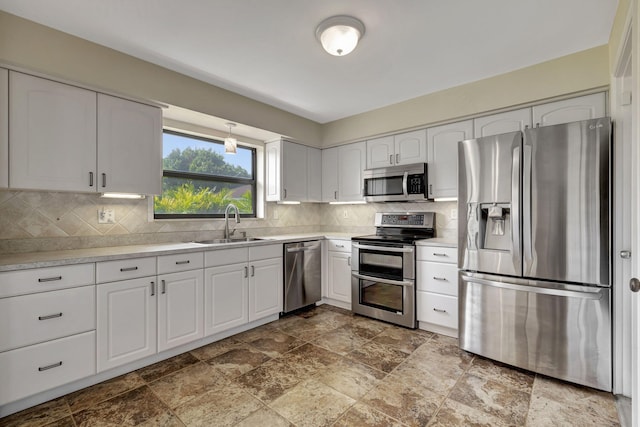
<point>446,242</point>
<point>23,261</point>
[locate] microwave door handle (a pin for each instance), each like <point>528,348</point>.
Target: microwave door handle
<point>405,178</point>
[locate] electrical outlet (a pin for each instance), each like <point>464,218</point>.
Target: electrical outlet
<point>345,214</point>
<point>106,216</point>
<point>454,213</point>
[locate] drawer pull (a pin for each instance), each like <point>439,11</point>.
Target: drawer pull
<point>153,289</point>
<point>46,368</point>
<point>253,270</point>
<point>164,286</point>
<point>182,262</point>
<point>439,254</point>
<point>50,316</point>
<point>444,279</point>
<point>439,310</point>
<point>339,246</point>
<point>128,269</point>
<point>50,279</point>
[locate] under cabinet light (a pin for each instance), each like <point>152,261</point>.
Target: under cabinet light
<point>122,196</point>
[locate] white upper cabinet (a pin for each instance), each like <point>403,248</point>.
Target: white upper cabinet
<point>288,176</point>
<point>380,152</point>
<point>351,164</point>
<point>52,135</point>
<point>66,138</point>
<point>314,174</point>
<point>129,146</point>
<point>330,174</point>
<point>443,157</point>
<point>4,128</point>
<point>570,110</point>
<point>401,149</point>
<point>495,124</point>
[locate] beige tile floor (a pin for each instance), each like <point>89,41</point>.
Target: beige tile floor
<point>326,367</point>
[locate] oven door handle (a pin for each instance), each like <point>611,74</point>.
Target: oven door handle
<point>383,248</point>
<point>387,281</point>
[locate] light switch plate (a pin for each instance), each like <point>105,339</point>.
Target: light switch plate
<point>106,216</point>
<point>454,213</point>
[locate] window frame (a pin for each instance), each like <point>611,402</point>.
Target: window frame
<point>253,182</point>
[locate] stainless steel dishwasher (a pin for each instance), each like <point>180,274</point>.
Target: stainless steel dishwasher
<point>302,282</point>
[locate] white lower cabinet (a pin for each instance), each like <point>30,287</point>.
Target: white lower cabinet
<point>126,321</point>
<point>225,297</point>
<point>437,289</point>
<point>180,308</point>
<point>241,285</point>
<point>37,368</point>
<point>338,274</point>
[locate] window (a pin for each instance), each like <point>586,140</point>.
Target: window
<point>199,180</point>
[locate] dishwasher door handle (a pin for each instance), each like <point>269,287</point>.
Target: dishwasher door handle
<point>303,249</point>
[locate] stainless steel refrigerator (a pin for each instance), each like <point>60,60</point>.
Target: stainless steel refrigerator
<point>534,250</point>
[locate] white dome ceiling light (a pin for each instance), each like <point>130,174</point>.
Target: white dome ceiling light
<point>339,35</point>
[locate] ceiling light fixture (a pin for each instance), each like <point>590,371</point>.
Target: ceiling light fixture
<point>230,144</point>
<point>340,34</point>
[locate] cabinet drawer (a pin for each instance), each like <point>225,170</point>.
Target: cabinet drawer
<point>437,309</point>
<point>437,277</point>
<point>30,319</point>
<point>40,367</point>
<point>180,262</point>
<point>339,245</point>
<point>110,271</point>
<point>437,254</point>
<point>45,279</point>
<point>265,252</point>
<point>225,256</point>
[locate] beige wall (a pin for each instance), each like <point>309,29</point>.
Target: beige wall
<point>38,48</point>
<point>573,73</point>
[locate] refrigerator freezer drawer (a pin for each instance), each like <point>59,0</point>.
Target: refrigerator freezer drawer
<point>558,332</point>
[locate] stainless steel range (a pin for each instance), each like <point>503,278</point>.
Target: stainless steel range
<point>383,269</point>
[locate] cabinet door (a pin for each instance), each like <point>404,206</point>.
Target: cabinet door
<point>129,146</point>
<point>4,128</point>
<point>265,288</point>
<point>52,129</point>
<point>351,163</point>
<point>294,172</point>
<point>380,152</point>
<point>225,297</point>
<point>411,147</point>
<point>180,308</point>
<point>330,175</point>
<point>339,284</point>
<point>126,322</point>
<point>443,157</point>
<point>495,124</point>
<point>570,110</point>
<point>314,174</point>
<point>273,170</point>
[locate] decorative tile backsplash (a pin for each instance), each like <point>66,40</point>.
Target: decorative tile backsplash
<point>37,221</point>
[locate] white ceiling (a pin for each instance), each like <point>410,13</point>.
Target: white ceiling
<point>267,50</point>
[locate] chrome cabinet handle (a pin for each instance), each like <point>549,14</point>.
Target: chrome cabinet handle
<point>349,261</point>
<point>123,269</point>
<point>439,278</point>
<point>246,272</point>
<point>50,279</point>
<point>253,270</point>
<point>390,159</point>
<point>53,365</point>
<point>50,316</point>
<point>153,289</point>
<point>104,180</point>
<point>431,189</point>
<point>397,158</point>
<point>439,310</point>
<point>339,246</point>
<point>285,193</point>
<point>335,195</point>
<point>182,262</point>
<point>164,286</point>
<point>90,179</point>
<point>439,254</point>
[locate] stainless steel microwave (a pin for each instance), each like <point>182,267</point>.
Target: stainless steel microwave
<point>396,183</point>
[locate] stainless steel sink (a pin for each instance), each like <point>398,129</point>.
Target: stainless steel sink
<point>232,240</point>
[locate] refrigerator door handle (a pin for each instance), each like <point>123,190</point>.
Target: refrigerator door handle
<point>588,292</point>
<point>527,238</point>
<point>515,210</point>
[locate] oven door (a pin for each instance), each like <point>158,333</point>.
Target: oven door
<point>387,261</point>
<point>389,300</point>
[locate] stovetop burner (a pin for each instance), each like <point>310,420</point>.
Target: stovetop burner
<point>403,228</point>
